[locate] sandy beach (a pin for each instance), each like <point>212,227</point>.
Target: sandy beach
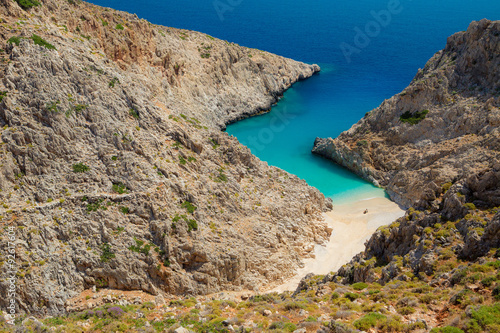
<point>351,228</point>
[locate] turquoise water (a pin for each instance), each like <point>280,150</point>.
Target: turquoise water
<point>358,71</point>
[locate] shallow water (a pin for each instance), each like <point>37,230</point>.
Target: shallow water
<point>380,65</point>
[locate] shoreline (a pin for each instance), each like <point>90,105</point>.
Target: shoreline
<point>351,228</point>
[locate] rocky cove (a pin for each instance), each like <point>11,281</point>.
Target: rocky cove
<point>133,211</point>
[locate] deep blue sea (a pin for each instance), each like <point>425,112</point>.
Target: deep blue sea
<point>368,50</point>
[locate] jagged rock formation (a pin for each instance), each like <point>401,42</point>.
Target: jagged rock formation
<point>114,170</point>
<point>444,127</point>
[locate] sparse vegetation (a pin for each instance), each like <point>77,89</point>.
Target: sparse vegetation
<point>42,42</point>
<point>119,188</point>
<point>133,113</point>
<point>53,106</point>
<point>413,118</point>
<point>27,4</point>
<point>140,247</point>
<point>189,207</point>
<point>14,40</point>
<point>80,167</point>
<point>119,27</point>
<point>106,254</point>
<point>113,81</point>
<point>470,206</point>
<point>221,177</point>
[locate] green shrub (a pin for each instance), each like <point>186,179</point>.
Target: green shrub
<point>446,329</point>
<point>134,113</point>
<point>362,143</point>
<point>42,42</point>
<point>486,319</point>
<point>106,252</point>
<point>119,27</point>
<point>80,107</point>
<point>192,225</point>
<point>351,296</point>
<point>279,325</point>
<point>189,207</point>
<point>359,286</point>
<point>368,321</point>
<point>3,94</point>
<point>221,177</point>
<point>406,310</point>
<point>460,297</point>
<point>124,210</point>
<point>140,247</point>
<point>80,167</point>
<point>470,206</point>
<point>14,40</point>
<point>494,264</point>
<point>53,106</point>
<point>182,160</point>
<point>215,145</point>
<point>113,81</point>
<point>94,206</point>
<point>487,282</point>
<point>496,293</point>
<point>413,118</point>
<point>27,4</point>
<point>293,306</point>
<point>119,188</point>
<point>54,321</point>
<point>446,186</point>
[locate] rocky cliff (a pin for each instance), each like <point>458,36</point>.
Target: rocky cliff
<point>114,171</point>
<point>443,128</point>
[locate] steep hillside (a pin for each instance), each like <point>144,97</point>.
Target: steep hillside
<point>114,171</point>
<point>444,127</point>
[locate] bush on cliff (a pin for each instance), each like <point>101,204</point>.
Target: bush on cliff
<point>42,42</point>
<point>413,118</point>
<point>27,4</point>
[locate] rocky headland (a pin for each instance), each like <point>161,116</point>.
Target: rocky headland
<point>114,170</point>
<point>443,128</point>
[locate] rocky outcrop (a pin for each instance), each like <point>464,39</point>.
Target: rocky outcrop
<point>419,242</point>
<point>444,127</point>
<point>114,171</point>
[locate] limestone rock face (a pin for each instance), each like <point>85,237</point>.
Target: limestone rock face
<point>458,94</point>
<point>114,171</point>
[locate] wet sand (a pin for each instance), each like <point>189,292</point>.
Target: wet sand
<point>351,228</point>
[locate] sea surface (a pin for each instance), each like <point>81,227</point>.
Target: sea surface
<point>368,50</point>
